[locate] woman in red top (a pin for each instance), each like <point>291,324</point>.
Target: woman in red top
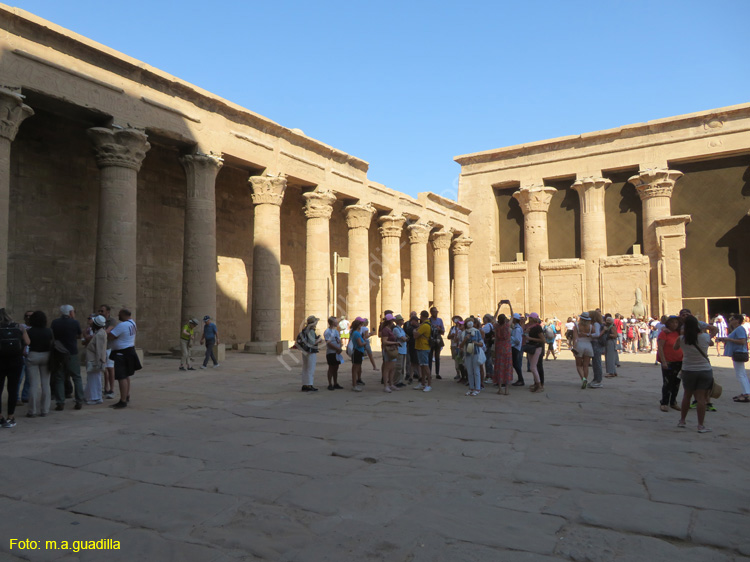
<point>671,363</point>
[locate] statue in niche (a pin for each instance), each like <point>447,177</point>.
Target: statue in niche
<point>639,309</point>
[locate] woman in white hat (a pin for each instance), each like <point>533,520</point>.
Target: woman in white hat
<point>96,360</point>
<point>308,342</point>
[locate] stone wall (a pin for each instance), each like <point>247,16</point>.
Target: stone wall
<point>563,286</point>
<point>620,276</point>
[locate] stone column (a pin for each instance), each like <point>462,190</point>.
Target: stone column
<point>441,279</point>
<point>390,229</point>
<point>655,189</point>
<point>593,233</point>
<point>535,202</point>
<point>358,219</point>
<point>12,113</point>
<point>670,236</point>
<point>119,154</point>
<point>318,209</point>
<point>461,304</point>
<point>419,234</point>
<point>199,256</point>
<point>268,193</point>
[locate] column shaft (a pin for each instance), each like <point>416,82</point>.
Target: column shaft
<point>199,256</point>
<point>390,230</point>
<point>268,193</point>
<point>358,219</point>
<point>318,253</point>
<point>12,113</point>
<point>119,155</point>
<point>419,234</point>
<point>461,302</point>
<point>441,298</point>
<point>535,204</point>
<point>591,192</point>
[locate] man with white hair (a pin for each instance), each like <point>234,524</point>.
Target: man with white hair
<point>67,331</point>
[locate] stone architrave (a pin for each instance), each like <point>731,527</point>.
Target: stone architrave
<point>419,235</point>
<point>593,232</point>
<point>318,209</point>
<point>358,219</point>
<point>199,256</point>
<point>268,193</point>
<point>119,154</point>
<point>391,227</point>
<point>461,304</point>
<point>534,203</point>
<point>12,113</point>
<point>441,279</point>
<point>655,186</point>
<point>670,235</point>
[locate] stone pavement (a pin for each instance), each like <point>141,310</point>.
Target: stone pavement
<point>237,464</point>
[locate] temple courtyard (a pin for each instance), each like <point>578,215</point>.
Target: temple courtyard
<point>236,463</point>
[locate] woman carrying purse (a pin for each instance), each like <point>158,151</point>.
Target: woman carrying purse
<point>736,348</point>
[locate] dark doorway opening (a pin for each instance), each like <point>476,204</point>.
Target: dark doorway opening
<point>723,307</point>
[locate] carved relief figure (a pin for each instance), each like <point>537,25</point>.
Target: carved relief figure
<point>639,309</point>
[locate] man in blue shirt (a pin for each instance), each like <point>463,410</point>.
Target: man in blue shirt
<point>211,338</point>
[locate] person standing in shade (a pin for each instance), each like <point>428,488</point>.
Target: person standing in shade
<point>333,353</point>
<point>436,340</point>
<point>412,362</point>
<point>389,344</point>
<point>37,364</point>
<point>422,345</point>
<point>516,347</point>
<point>403,357</point>
<point>358,352</point>
<point>310,347</point>
<point>109,373</point>
<point>186,344</point>
<point>14,340</point>
<point>124,355</point>
<point>211,339</point>
<point>67,331</point>
<point>96,360</point>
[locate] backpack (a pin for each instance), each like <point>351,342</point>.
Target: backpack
<point>604,336</point>
<point>436,340</point>
<point>549,333</point>
<point>301,342</point>
<point>631,333</point>
<point>350,348</point>
<point>11,341</point>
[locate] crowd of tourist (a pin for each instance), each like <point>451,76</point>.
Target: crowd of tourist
<point>488,350</point>
<point>41,363</point>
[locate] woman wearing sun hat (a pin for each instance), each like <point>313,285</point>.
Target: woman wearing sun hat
<point>96,360</point>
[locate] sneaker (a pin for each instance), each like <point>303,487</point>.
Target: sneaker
<point>584,382</point>
<point>357,389</point>
<point>681,425</point>
<point>595,385</point>
<point>488,381</point>
<point>387,389</point>
<point>694,405</point>
<point>394,388</point>
<point>203,366</point>
<point>182,369</point>
<point>330,387</point>
<point>427,389</point>
<point>119,405</point>
<point>438,377</point>
<point>78,406</point>
<point>191,368</point>
<point>701,429</point>
<point>60,407</point>
<point>337,386</point>
<point>469,393</point>
<point>94,402</point>
<point>217,365</point>
<point>711,408</point>
<point>401,385</point>
<point>11,422</point>
<point>457,378</point>
<point>674,407</point>
<point>419,387</point>
<point>361,382</point>
<point>664,408</point>
<point>109,395</point>
<point>475,393</point>
<point>518,383</point>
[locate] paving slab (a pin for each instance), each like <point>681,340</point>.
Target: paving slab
<point>237,464</point>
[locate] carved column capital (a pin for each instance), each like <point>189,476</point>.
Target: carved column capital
<point>268,189</point>
<point>201,171</point>
<point>441,240</point>
<point>319,204</point>
<point>391,226</point>
<point>12,113</point>
<point>655,182</point>
<point>359,215</point>
<point>461,245</point>
<point>591,192</point>
<point>194,162</point>
<point>419,233</point>
<point>535,198</point>
<point>121,148</point>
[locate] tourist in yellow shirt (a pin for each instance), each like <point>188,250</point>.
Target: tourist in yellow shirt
<point>422,345</point>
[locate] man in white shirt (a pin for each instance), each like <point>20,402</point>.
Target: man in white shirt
<point>123,353</point>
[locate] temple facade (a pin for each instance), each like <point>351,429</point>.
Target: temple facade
<point>123,185</point>
<point>655,212</point>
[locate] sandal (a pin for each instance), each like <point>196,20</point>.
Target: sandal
<point>745,398</point>
<point>610,376</point>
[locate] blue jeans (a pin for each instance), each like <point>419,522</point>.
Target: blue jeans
<point>596,361</point>
<point>472,367</point>
<point>210,352</point>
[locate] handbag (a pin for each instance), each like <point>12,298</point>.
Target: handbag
<point>481,357</point>
<point>391,351</point>
<point>740,356</point>
<point>716,390</point>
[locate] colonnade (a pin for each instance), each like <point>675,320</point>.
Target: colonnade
<point>119,153</point>
<point>663,234</point>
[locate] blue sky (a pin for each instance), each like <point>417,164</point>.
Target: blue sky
<point>409,85</point>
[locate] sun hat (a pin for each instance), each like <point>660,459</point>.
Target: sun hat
<point>99,320</point>
<point>585,316</point>
<point>516,316</point>
<point>312,320</point>
<point>534,315</point>
<point>194,321</point>
<point>398,317</point>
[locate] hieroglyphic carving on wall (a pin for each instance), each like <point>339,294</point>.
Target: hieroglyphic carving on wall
<point>563,284</point>
<point>510,282</point>
<point>620,276</point>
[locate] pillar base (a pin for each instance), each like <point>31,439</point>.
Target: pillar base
<point>266,347</point>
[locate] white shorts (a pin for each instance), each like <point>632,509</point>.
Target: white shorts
<point>584,348</point>
<point>110,362</point>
